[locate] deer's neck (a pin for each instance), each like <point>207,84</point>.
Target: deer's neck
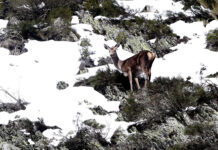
<point>116,60</point>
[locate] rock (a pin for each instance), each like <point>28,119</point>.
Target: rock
<point>14,42</point>
<point>12,107</point>
<point>7,146</point>
<point>134,43</point>
<point>162,46</point>
<point>94,124</point>
<point>13,21</point>
<point>98,111</point>
<point>118,137</point>
<point>61,85</point>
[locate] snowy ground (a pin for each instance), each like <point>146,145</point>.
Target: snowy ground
<point>189,58</point>
<point>155,8</point>
<point>33,76</point>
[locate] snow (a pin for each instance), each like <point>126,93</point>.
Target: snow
<point>189,58</point>
<point>3,24</point>
<point>75,20</point>
<point>41,5</point>
<point>33,76</point>
<point>155,8</point>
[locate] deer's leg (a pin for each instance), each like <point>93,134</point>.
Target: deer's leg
<point>149,75</point>
<point>146,77</point>
<point>137,83</point>
<point>130,79</point>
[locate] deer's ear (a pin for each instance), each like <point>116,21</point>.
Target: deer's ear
<point>106,47</point>
<point>117,45</point>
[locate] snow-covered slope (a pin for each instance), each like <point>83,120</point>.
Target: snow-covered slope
<point>189,58</point>
<point>153,8</point>
<point>33,76</point>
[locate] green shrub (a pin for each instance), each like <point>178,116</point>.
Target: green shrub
<point>121,37</point>
<point>198,128</point>
<point>85,42</point>
<point>212,40</point>
<point>212,36</point>
<point>181,93</point>
<point>84,140</point>
<point>132,110</point>
<point>63,12</point>
<point>94,124</point>
<point>157,29</point>
<point>208,3</point>
<point>151,28</point>
<point>45,18</point>
<point>106,78</point>
<point>108,8</point>
<point>27,30</point>
<point>84,52</point>
<point>213,75</point>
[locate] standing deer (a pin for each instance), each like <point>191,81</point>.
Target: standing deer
<point>134,66</point>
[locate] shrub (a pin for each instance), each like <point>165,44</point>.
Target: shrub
<point>157,29</point>
<point>121,38</point>
<point>85,42</point>
<point>208,3</point>
<point>132,110</point>
<point>85,140</point>
<point>189,3</point>
<point>52,21</point>
<point>84,52</point>
<point>27,30</point>
<point>198,128</point>
<point>212,36</point>
<point>108,8</point>
<point>212,40</point>
<point>151,28</point>
<point>213,75</point>
<point>63,12</point>
<point>106,78</point>
<point>181,93</point>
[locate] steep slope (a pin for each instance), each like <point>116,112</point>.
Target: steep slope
<point>126,121</point>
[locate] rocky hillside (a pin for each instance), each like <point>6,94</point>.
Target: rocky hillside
<point>60,90</point>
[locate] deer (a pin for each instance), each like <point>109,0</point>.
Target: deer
<point>139,64</point>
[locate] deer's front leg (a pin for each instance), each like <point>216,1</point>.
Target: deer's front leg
<point>147,76</point>
<point>137,83</point>
<point>130,79</point>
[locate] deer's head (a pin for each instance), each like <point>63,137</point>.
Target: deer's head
<point>112,50</point>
